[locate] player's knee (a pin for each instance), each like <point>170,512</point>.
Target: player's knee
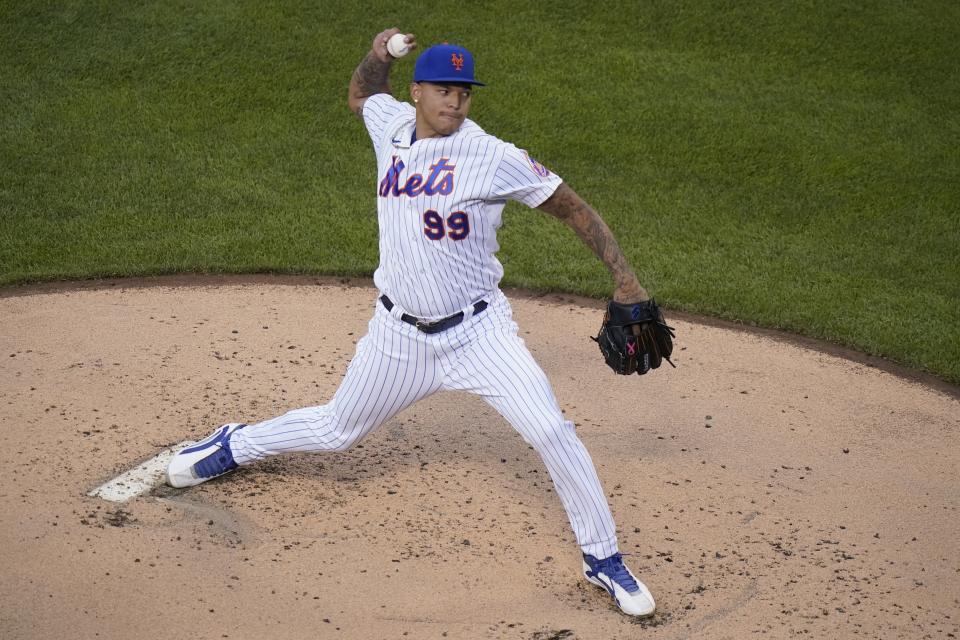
<point>341,432</point>
<point>345,436</point>
<point>343,441</point>
<point>548,434</point>
<point>565,430</point>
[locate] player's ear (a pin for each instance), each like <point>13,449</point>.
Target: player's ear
<point>415,91</point>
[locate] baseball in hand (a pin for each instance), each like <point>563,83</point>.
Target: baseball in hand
<point>397,45</point>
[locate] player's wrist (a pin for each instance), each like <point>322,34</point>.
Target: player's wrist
<point>627,294</point>
<point>380,58</point>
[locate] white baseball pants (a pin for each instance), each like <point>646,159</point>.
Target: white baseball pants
<point>396,364</point>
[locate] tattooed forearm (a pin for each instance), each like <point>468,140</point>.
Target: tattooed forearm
<point>371,76</point>
<point>567,206</point>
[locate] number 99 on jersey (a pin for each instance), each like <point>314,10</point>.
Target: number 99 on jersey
<point>455,227</point>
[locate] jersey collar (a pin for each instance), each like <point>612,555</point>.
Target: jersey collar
<point>405,135</point>
<point>403,138</point>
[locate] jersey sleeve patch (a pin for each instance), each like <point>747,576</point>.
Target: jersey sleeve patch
<point>537,168</point>
<point>519,177</point>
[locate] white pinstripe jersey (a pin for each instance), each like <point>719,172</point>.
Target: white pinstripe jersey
<point>439,206</point>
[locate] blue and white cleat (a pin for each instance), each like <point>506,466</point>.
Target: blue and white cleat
<point>205,460</point>
<point>631,595</point>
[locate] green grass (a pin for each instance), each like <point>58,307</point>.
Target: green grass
<point>792,165</point>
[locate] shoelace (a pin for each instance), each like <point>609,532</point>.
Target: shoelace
<point>614,568</point>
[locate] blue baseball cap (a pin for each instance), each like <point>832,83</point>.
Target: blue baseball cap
<point>445,63</point>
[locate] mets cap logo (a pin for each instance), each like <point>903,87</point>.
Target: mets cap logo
<point>457,61</point>
<point>538,168</point>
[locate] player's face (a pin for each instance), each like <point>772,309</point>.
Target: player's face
<point>441,108</point>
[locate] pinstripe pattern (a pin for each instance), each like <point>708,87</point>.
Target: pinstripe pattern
<point>496,365</point>
<point>436,278</point>
<point>396,365</point>
<point>392,368</point>
<point>432,271</point>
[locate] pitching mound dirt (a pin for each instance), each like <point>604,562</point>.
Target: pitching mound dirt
<point>763,489</point>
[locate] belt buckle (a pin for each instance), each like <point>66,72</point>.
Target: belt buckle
<point>427,327</point>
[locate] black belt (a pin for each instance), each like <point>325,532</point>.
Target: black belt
<point>438,325</point>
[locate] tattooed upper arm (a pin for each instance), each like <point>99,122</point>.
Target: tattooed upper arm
<point>562,203</point>
<point>369,78</point>
<point>357,108</point>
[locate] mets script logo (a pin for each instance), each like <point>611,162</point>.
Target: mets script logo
<point>457,61</point>
<point>538,168</point>
<point>438,182</point>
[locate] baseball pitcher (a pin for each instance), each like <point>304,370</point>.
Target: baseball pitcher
<point>440,320</point>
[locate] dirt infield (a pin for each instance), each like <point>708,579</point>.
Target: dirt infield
<point>762,488</point>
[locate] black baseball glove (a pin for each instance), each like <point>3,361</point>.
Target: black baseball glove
<point>634,338</point>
